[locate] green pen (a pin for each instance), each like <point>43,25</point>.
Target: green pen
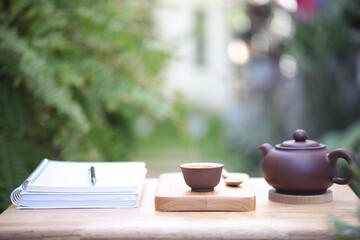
<point>93,177</point>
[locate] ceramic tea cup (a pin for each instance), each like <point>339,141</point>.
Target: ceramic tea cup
<point>202,176</point>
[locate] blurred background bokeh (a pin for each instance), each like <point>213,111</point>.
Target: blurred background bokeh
<point>169,82</point>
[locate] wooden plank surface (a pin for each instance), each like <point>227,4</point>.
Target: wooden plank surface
<point>270,220</point>
<point>173,194</point>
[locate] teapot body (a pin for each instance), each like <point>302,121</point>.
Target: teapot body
<point>305,171</point>
<point>302,166</point>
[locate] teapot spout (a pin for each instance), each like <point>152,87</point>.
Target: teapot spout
<point>265,148</point>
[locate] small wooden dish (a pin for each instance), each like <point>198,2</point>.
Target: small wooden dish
<point>300,199</point>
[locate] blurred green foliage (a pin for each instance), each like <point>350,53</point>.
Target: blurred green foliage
<point>73,76</point>
<point>166,146</point>
<point>327,49</point>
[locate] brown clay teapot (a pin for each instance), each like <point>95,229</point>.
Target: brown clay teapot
<point>303,166</point>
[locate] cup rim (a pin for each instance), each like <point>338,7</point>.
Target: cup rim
<point>211,164</point>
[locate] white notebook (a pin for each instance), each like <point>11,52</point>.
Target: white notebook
<point>62,184</point>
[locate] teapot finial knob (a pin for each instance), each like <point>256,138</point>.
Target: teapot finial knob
<point>300,135</point>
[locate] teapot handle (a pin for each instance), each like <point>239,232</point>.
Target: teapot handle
<point>341,153</point>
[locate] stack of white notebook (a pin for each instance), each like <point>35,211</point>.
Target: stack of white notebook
<point>61,184</point>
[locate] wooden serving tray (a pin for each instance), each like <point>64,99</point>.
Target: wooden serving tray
<point>173,195</point>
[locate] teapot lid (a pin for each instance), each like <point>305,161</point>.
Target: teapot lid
<point>300,142</point>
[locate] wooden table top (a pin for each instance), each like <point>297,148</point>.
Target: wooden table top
<point>270,220</point>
